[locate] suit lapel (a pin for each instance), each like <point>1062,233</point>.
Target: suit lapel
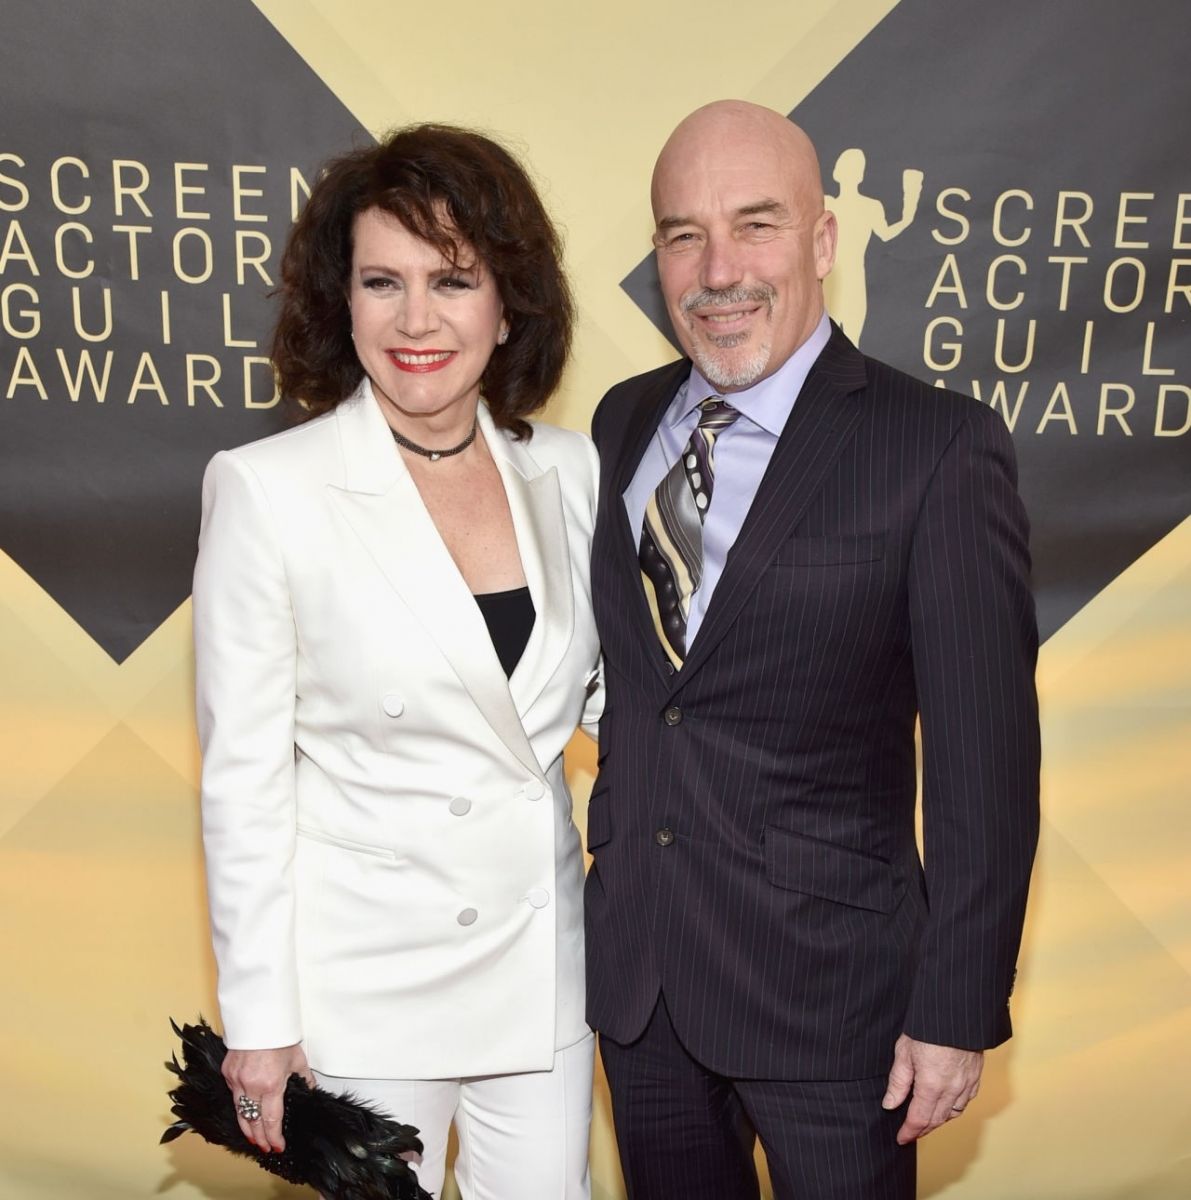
<point>535,501</point>
<point>820,426</point>
<point>381,503</point>
<point>642,423</point>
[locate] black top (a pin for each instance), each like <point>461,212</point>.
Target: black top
<point>509,617</point>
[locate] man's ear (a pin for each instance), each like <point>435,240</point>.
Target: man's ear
<point>826,237</point>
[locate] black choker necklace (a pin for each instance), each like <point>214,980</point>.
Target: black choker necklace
<point>434,455</point>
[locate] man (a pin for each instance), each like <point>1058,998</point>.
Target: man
<point>800,551</point>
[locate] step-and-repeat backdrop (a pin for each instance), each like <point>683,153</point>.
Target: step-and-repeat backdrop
<point>1014,196</point>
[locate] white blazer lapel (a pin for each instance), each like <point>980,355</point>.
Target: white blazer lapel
<point>380,501</point>
<point>535,501</point>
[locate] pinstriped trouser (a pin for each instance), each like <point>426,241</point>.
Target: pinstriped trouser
<point>685,1131</point>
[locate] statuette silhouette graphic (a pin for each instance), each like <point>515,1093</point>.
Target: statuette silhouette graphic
<point>860,217</point>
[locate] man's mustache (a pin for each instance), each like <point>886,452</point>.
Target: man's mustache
<point>725,297</point>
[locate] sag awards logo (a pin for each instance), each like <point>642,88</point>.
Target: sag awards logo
<point>1005,235</point>
<point>1030,272</point>
<point>91,252</point>
<point>143,207</point>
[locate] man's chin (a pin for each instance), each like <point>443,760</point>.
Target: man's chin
<point>731,370</point>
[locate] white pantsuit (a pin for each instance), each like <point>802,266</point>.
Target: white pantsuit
<point>394,876</point>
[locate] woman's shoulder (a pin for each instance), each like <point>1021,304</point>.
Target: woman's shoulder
<point>295,450</point>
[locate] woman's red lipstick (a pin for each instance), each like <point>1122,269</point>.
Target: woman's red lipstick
<point>419,362</point>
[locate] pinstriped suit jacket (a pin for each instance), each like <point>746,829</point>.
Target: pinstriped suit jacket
<point>881,575</point>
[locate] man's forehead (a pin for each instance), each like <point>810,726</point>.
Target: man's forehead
<point>732,185</point>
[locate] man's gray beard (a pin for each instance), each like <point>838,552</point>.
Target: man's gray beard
<point>723,372</point>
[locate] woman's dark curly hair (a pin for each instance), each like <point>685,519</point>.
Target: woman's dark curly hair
<point>448,186</point>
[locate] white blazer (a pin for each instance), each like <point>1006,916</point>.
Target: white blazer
<point>394,877</point>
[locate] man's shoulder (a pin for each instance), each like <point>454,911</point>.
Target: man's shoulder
<point>622,399</point>
<point>896,390</point>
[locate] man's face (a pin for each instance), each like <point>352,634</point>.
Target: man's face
<point>742,244</point>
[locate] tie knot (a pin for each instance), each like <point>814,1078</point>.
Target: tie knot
<point>716,413</point>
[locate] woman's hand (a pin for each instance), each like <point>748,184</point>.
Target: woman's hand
<point>261,1075</point>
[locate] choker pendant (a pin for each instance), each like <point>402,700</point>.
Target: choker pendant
<point>434,455</point>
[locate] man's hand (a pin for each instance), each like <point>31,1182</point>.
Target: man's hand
<point>942,1079</point>
<point>261,1075</point>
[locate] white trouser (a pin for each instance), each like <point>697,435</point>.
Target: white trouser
<point>521,1137</point>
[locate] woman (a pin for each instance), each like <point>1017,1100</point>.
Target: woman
<point>394,643</point>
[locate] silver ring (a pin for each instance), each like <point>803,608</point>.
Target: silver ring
<point>250,1110</point>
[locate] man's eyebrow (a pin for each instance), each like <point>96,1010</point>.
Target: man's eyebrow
<point>764,207</point>
<point>673,223</point>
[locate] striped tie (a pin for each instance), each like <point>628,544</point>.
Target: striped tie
<point>671,552</point>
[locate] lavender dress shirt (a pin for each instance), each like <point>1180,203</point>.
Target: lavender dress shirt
<point>742,452</point>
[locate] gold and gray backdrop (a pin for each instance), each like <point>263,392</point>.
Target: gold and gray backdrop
<point>1014,192</point>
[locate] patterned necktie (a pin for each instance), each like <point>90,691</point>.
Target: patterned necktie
<point>671,551</point>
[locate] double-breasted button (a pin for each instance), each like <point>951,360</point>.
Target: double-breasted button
<point>535,789</point>
<point>467,916</point>
<point>538,897</point>
<point>460,806</point>
<point>393,705</point>
<point>672,716</point>
<point>664,836</point>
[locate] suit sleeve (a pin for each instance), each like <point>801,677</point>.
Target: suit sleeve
<point>975,645</point>
<point>245,659</point>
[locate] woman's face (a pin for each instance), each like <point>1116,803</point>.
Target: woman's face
<point>424,329</point>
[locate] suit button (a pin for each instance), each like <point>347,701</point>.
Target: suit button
<point>669,667</point>
<point>535,789</point>
<point>467,916</point>
<point>664,837</point>
<point>393,705</point>
<point>672,716</point>
<point>460,806</point>
<point>538,898</point>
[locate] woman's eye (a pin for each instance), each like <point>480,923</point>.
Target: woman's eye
<point>453,283</point>
<point>377,284</point>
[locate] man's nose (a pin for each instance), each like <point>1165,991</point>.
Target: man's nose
<point>722,267</point>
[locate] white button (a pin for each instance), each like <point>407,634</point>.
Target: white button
<point>393,704</point>
<point>460,806</point>
<point>538,897</point>
<point>467,916</point>
<point>535,789</point>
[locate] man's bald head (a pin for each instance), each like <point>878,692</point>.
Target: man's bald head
<point>712,136</point>
<point>743,239</point>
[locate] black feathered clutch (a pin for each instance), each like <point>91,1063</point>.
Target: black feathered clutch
<point>335,1144</point>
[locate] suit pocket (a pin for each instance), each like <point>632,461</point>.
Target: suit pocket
<point>831,872</point>
<point>331,839</point>
<point>599,822</point>
<point>832,551</point>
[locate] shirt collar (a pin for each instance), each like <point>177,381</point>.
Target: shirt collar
<point>767,404</point>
